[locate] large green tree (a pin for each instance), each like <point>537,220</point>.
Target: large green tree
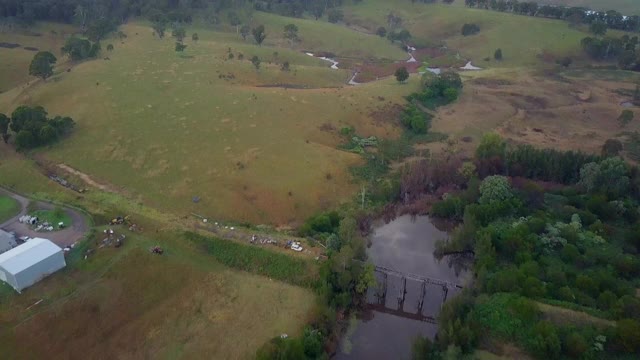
<point>598,28</point>
<point>402,74</point>
<point>4,127</point>
<point>291,33</point>
<point>42,65</point>
<point>255,60</point>
<point>159,27</point>
<point>179,32</point>
<point>610,176</point>
<point>495,189</point>
<point>33,128</point>
<point>80,49</point>
<point>259,34</point>
<point>245,30</point>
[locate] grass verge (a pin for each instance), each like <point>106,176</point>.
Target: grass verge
<point>8,208</point>
<point>257,260</point>
<point>53,217</point>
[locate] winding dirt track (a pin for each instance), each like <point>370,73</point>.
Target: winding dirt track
<point>77,230</point>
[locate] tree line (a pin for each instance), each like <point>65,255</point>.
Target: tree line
<point>623,50</point>
<point>30,127</point>
<point>575,15</point>
<point>101,13</point>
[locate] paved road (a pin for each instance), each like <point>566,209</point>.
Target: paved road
<point>62,238</point>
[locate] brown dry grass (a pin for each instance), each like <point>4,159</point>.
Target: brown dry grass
<point>560,315</point>
<point>146,306</point>
<point>544,110</point>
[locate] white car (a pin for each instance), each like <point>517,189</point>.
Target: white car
<point>296,247</point>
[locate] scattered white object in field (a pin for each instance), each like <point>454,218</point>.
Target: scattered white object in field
<point>469,66</point>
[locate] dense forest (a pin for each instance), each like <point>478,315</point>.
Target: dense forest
<point>86,12</point>
<point>550,231</point>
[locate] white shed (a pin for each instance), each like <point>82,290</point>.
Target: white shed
<point>7,241</point>
<point>30,262</point>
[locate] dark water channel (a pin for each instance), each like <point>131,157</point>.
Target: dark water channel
<point>386,330</point>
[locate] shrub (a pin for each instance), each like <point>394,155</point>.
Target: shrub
<point>628,335</point>
<point>326,223</point>
<point>611,147</point>
<point>470,29</point>
<point>576,346</point>
<point>415,120</point>
<point>452,207</point>
<point>451,94</point>
<point>544,341</point>
<point>625,117</point>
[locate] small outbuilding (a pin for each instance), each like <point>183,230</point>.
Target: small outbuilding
<point>28,263</point>
<point>7,241</point>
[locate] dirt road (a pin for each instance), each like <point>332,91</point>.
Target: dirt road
<point>75,232</point>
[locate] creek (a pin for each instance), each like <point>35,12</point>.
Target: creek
<point>402,306</point>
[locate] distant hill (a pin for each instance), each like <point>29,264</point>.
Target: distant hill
<point>627,7</point>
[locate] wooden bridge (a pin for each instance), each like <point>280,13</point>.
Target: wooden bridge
<point>425,281</point>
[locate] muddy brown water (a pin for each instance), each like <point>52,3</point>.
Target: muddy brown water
<point>387,329</point>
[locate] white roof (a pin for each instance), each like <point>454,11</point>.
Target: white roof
<point>26,255</point>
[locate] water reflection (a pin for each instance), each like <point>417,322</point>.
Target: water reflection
<point>403,307</point>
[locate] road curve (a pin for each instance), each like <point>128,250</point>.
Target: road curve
<point>72,234</point>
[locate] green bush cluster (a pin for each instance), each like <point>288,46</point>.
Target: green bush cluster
<point>256,260</point>
<point>32,128</point>
<point>438,90</point>
<point>80,49</point>
<point>415,120</point>
<point>572,246</point>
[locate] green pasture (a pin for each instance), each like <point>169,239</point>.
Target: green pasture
<point>525,41</point>
<point>165,127</point>
<point>53,217</point>
<point>318,35</point>
<point>14,63</point>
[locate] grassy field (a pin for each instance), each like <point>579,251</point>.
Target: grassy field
<point>323,36</point>
<point>563,316</point>
<point>166,128</point>
<point>538,108</point>
<point>129,303</point>
<point>8,208</point>
<point>53,217</point>
<point>626,7</point>
<point>525,41</point>
<point>14,63</point>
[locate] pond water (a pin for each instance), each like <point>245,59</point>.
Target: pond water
<point>387,329</point>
